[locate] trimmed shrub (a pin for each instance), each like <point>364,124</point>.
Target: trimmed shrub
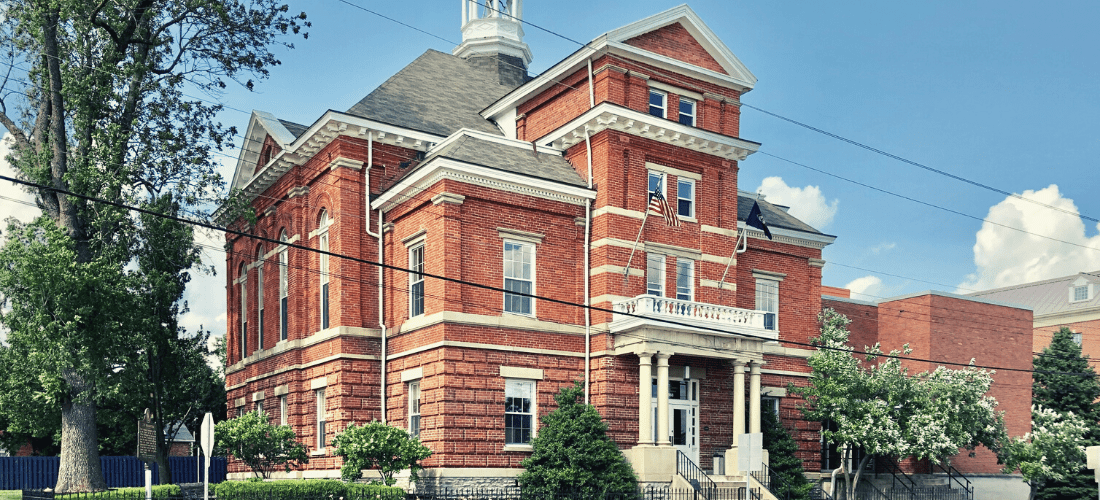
<point>302,488</point>
<point>378,446</point>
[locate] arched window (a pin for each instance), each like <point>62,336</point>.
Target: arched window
<point>260,297</point>
<point>284,285</point>
<point>323,223</point>
<point>242,279</point>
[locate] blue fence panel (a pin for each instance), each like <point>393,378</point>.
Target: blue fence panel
<point>28,472</point>
<point>36,473</point>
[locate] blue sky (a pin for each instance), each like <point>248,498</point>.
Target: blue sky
<point>1002,93</point>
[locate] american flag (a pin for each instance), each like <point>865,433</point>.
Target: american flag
<point>658,204</point>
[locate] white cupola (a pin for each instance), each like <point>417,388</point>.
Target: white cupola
<point>493,28</point>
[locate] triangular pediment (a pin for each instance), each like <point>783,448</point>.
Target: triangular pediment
<point>260,127</point>
<point>679,34</point>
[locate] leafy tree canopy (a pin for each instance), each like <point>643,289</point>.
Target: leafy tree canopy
<point>377,445</point>
<point>1052,451</point>
<point>262,446</point>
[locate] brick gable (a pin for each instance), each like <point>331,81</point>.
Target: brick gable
<point>674,41</point>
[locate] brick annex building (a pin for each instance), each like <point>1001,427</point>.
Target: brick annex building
<point>463,166</point>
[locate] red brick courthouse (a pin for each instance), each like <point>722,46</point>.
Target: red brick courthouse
<point>463,166</point>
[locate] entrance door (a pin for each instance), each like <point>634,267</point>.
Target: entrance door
<point>683,416</point>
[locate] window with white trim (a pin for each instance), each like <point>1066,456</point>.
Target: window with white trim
<point>1080,293</point>
<point>320,397</point>
<point>1077,338</point>
<point>416,280</point>
<point>687,112</point>
<point>260,297</point>
<point>414,408</point>
<point>685,279</point>
<point>685,197</point>
<point>519,277</point>
<point>284,408</point>
<point>767,300</point>
<point>322,244</point>
<point>259,406</point>
<point>242,274</point>
<point>657,103</point>
<point>655,274</point>
<point>657,179</point>
<point>284,285</point>
<point>519,411</point>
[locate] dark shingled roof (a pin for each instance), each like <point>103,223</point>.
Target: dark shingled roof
<point>511,159</point>
<point>437,93</point>
<point>773,215</point>
<point>295,129</point>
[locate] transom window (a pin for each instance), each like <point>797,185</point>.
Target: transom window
<point>657,103</point>
<point>655,274</point>
<point>687,112</point>
<point>414,408</point>
<point>519,277</point>
<point>685,279</point>
<point>685,197</point>
<point>519,411</point>
<point>767,300</point>
<point>416,280</point>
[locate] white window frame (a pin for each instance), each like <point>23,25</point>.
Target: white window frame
<point>1077,338</point>
<point>414,408</point>
<point>258,406</point>
<point>679,196</point>
<point>284,408</point>
<point>513,384</point>
<point>664,102</point>
<point>243,279</point>
<point>416,277</point>
<point>260,297</point>
<point>319,429</point>
<point>524,246</point>
<point>772,305</point>
<point>663,179</point>
<point>284,287</point>
<point>693,114</point>
<point>685,269</point>
<point>655,262</point>
<point>323,300</point>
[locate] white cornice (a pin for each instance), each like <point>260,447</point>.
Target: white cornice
<point>439,168</point>
<point>612,116</point>
<point>780,235</point>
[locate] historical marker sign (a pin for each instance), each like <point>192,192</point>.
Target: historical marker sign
<point>146,440</point>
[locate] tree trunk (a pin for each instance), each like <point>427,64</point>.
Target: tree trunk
<point>80,469</point>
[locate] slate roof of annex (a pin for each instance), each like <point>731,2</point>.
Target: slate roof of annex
<point>295,129</point>
<point>521,161</point>
<point>437,93</point>
<point>1047,296</point>
<point>773,215</point>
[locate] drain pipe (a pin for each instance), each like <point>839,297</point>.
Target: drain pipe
<point>587,271</point>
<point>378,235</point>
<point>591,104</point>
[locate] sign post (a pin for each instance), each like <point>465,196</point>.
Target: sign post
<point>207,443</point>
<point>147,449</point>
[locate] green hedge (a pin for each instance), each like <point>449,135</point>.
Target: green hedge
<point>163,491</point>
<point>302,488</point>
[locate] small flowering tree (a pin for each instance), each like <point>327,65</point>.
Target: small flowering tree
<point>376,444</point>
<point>1052,451</point>
<point>883,410</point>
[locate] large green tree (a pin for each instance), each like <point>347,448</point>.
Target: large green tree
<point>1065,381</point>
<point>100,109</point>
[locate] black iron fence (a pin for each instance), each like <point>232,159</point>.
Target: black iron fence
<point>504,493</point>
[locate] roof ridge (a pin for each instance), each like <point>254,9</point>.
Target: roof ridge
<point>1030,284</point>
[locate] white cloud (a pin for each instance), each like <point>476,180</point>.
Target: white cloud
<point>869,287</point>
<point>883,247</point>
<point>205,294</point>
<point>15,202</point>
<point>807,204</point>
<point>1005,257</point>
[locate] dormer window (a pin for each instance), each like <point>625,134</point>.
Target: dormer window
<point>1081,291</point>
<point>657,103</point>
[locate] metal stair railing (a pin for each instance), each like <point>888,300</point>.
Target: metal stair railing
<point>695,476</point>
<point>899,476</point>
<point>771,480</point>
<point>953,475</point>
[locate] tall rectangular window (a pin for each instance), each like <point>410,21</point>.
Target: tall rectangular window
<point>657,103</point>
<point>324,281</point>
<point>685,279</point>
<point>414,408</point>
<point>655,274</point>
<point>687,112</point>
<point>767,300</point>
<point>1077,338</point>
<point>416,280</point>
<point>284,286</point>
<point>259,406</point>
<point>519,277</point>
<point>243,276</point>
<point>519,411</point>
<point>260,300</point>
<point>284,409</point>
<point>685,197</point>
<point>320,396</point>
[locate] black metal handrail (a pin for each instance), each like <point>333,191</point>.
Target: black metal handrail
<point>899,476</point>
<point>953,475</point>
<point>771,480</point>
<point>694,475</point>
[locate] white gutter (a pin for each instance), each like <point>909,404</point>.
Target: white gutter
<point>378,236</point>
<point>591,102</point>
<point>587,272</point>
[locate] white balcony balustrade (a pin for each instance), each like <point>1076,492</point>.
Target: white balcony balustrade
<point>662,313</point>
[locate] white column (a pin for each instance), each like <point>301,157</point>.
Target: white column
<point>645,398</point>
<point>465,14</point>
<point>738,400</point>
<point>662,400</point>
<point>517,9</point>
<point>754,397</point>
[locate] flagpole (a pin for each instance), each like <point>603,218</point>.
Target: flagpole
<point>743,237</point>
<point>626,272</point>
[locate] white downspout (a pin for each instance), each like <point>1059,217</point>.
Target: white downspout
<point>591,104</point>
<point>378,235</point>
<point>587,271</point>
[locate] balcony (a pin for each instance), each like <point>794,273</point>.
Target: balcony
<point>648,318</point>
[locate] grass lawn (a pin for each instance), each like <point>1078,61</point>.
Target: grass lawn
<point>11,494</point>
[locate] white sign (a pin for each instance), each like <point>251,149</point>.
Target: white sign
<point>207,444</point>
<point>750,451</point>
